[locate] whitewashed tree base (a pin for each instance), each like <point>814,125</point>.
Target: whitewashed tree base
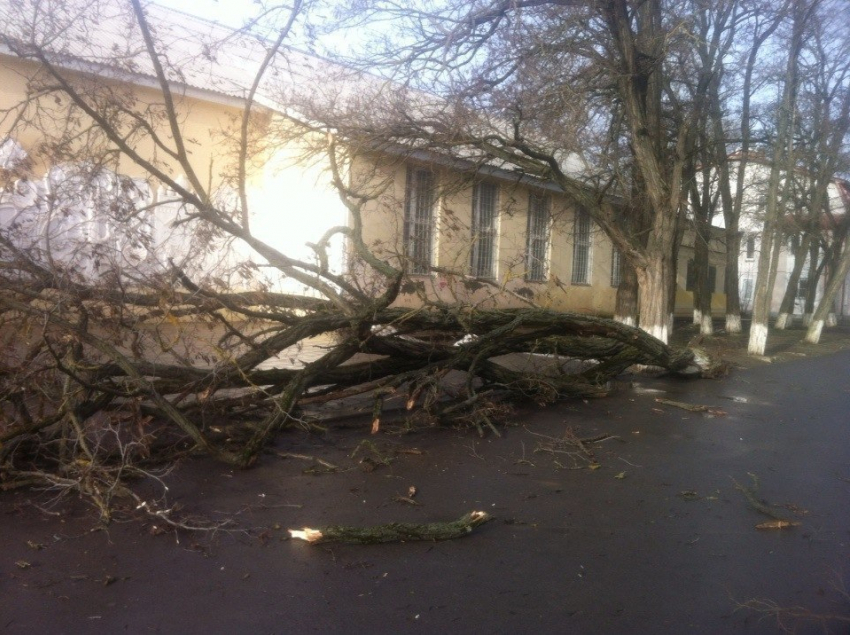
<point>733,324</point>
<point>758,339</point>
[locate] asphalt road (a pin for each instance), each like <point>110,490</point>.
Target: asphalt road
<point>656,540</point>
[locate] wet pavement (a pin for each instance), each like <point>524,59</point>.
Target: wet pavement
<point>656,540</point>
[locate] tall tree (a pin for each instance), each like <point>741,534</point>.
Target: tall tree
<point>537,84</point>
<point>782,164</point>
<point>759,22</point>
<point>827,124</point>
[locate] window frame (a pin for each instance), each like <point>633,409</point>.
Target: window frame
<point>483,253</point>
<point>419,220</point>
<point>582,248</point>
<point>750,247</point>
<point>616,267</point>
<point>537,237</point>
<point>691,277</point>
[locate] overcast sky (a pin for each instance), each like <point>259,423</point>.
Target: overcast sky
<point>230,12</point>
<point>234,13</point>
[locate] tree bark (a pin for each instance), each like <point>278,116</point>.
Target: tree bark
<point>820,315</point>
<point>786,309</point>
<point>783,149</point>
<point>626,307</point>
<point>732,212</point>
<point>394,532</point>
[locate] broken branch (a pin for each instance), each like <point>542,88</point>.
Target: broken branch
<point>393,532</point>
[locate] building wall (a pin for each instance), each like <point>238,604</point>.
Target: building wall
<point>716,260</point>
<point>293,203</point>
<point>386,179</point>
<point>291,197</point>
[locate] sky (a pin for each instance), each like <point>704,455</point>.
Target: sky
<point>229,12</point>
<point>234,13</point>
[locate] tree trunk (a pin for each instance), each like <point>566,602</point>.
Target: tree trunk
<point>730,284</point>
<point>837,280</point>
<point>732,214</point>
<point>654,281</point>
<point>702,288</point>
<point>626,308</point>
<point>782,160</point>
<point>762,294</point>
<point>816,267</point>
<point>786,309</point>
<point>394,532</point>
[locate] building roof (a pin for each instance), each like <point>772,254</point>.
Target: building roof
<point>103,38</point>
<point>206,60</point>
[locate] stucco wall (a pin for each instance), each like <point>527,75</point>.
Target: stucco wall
<point>291,199</point>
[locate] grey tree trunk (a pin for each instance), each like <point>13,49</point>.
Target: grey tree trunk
<point>781,162</point>
<point>819,318</point>
<point>626,309</point>
<point>816,267</point>
<point>786,309</point>
<point>732,213</point>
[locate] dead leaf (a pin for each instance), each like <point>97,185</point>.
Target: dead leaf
<point>411,491</point>
<point>23,564</point>
<point>594,466</point>
<point>620,476</point>
<point>35,545</point>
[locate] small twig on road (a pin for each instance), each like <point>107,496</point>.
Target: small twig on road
<point>691,407</point>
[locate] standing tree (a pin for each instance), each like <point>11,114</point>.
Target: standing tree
<point>827,103</point>
<point>542,87</point>
<point>759,21</point>
<point>782,164</point>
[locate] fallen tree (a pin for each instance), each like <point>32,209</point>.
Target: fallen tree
<point>96,382</point>
<point>119,356</point>
<point>77,364</point>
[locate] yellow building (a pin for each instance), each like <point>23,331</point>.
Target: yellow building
<point>481,237</point>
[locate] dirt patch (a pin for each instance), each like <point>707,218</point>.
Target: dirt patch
<point>782,346</point>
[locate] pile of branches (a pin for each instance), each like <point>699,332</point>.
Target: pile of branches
<point>94,379</point>
<point>110,371</point>
<point>116,360</point>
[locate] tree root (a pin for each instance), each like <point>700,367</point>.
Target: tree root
<point>394,532</point>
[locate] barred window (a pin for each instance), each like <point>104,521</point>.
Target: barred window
<point>751,247</point>
<point>746,293</point>
<point>616,263</point>
<point>538,237</point>
<point>419,219</point>
<point>581,248</point>
<point>691,277</point>
<point>485,198</point>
